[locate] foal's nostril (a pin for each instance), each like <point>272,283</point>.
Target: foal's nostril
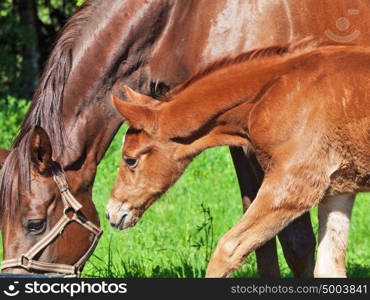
<point>107,214</point>
<point>121,220</point>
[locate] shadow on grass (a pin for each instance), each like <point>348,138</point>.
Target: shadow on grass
<point>139,269</point>
<point>358,271</point>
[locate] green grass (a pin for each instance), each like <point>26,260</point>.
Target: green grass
<point>176,235</point>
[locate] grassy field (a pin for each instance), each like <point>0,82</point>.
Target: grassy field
<point>176,236</point>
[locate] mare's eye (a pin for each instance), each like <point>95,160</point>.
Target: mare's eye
<point>35,226</point>
<point>131,161</point>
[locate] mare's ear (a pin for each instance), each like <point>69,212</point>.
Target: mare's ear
<point>3,155</point>
<point>142,117</point>
<point>137,98</point>
<point>40,149</point>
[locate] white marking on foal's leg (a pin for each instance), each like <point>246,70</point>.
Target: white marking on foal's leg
<point>334,223</point>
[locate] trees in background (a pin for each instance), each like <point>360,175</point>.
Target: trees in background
<point>28,30</point>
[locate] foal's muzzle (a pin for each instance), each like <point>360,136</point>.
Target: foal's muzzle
<point>119,215</point>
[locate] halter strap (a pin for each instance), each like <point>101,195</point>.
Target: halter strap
<point>27,260</point>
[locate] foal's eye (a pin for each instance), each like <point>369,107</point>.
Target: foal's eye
<point>35,226</point>
<point>131,161</point>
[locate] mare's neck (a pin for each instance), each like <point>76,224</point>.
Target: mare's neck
<point>90,120</point>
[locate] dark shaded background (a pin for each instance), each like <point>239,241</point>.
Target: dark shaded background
<point>28,30</point>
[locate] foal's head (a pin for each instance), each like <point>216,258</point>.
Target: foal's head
<point>149,164</point>
<point>154,155</point>
<point>29,214</point>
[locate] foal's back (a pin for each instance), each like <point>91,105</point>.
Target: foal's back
<point>322,108</point>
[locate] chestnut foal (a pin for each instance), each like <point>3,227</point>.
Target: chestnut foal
<point>305,114</point>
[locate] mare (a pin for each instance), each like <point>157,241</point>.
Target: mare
<point>110,43</point>
<point>306,116</point>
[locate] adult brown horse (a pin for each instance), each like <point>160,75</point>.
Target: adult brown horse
<point>151,46</point>
<point>305,114</point>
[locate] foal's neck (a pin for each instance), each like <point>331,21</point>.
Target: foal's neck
<point>224,92</point>
<point>215,109</point>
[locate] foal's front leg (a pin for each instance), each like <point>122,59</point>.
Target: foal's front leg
<point>278,202</point>
<point>297,239</point>
<point>250,177</point>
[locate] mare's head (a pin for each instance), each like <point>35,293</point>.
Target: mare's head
<point>29,213</point>
<point>157,148</point>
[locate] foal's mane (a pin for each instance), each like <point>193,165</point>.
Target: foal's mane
<point>46,111</point>
<point>274,51</point>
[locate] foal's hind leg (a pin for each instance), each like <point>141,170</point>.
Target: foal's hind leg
<point>297,239</point>
<point>278,202</point>
<point>334,223</point>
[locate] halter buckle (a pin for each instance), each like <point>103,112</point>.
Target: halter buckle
<point>25,262</point>
<point>64,189</point>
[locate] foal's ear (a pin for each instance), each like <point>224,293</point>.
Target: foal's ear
<point>142,117</point>
<point>3,155</point>
<point>137,98</point>
<point>40,150</point>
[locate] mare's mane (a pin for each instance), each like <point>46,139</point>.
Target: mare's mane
<point>46,111</point>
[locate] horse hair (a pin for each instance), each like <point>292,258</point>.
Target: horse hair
<point>45,111</point>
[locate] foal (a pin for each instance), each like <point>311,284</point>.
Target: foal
<point>306,115</point>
